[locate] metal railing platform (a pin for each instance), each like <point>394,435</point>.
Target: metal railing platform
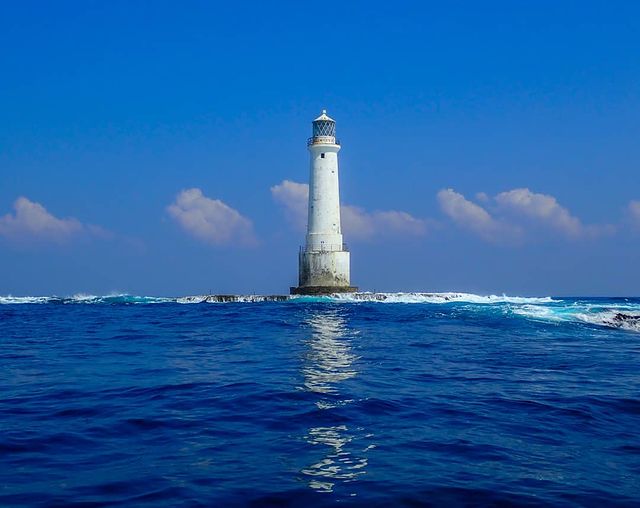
<point>323,140</point>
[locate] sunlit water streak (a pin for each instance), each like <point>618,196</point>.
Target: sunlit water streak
<point>377,399</point>
<point>329,362</point>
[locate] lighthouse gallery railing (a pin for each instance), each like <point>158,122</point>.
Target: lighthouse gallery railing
<point>338,247</point>
<point>323,140</point>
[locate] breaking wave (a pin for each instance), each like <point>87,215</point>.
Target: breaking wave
<point>436,298</point>
<point>625,316</point>
<point>84,299</point>
<point>618,313</point>
<point>613,319</point>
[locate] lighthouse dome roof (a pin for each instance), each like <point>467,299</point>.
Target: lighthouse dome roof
<point>324,117</point>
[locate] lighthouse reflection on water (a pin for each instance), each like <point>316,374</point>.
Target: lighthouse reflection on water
<point>328,363</point>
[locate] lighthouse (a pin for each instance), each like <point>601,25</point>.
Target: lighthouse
<point>323,263</point>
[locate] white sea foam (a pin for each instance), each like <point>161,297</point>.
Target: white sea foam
<point>438,298</point>
<point>83,299</point>
<point>612,319</point>
<point>539,312</point>
<point>622,315</point>
<point>434,298</point>
<point>232,299</point>
<point>16,300</point>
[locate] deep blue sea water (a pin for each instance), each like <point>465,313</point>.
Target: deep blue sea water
<point>441,400</point>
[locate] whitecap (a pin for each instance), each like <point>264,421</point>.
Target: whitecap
<point>86,299</point>
<point>438,298</point>
<point>17,300</point>
<point>622,316</point>
<point>612,319</point>
<point>412,297</point>
<point>538,312</point>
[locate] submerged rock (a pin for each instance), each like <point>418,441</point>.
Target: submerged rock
<point>233,298</point>
<point>627,321</point>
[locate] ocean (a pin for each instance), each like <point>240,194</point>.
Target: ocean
<point>369,399</point>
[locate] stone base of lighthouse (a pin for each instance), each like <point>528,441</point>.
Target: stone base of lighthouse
<point>323,273</point>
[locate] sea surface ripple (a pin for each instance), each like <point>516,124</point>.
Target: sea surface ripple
<point>374,400</point>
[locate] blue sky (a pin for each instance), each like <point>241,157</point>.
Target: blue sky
<point>160,148</point>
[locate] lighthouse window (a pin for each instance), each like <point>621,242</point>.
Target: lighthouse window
<point>322,156</point>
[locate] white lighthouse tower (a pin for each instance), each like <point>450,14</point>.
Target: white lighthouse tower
<point>324,261</point>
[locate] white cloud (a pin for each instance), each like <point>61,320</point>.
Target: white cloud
<point>210,220</point>
<point>472,216</point>
<point>515,211</point>
<point>356,222</point>
<point>359,223</point>
<point>294,197</point>
<point>543,208</point>
<point>482,197</point>
<point>32,221</point>
<point>634,212</point>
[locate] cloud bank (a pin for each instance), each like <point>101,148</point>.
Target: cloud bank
<point>473,217</point>
<point>31,221</point>
<point>515,212</point>
<point>294,197</point>
<point>357,223</point>
<point>211,220</point>
<point>546,210</point>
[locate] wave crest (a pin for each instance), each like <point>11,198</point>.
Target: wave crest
<point>623,315</point>
<point>413,297</point>
<point>122,299</point>
<point>613,319</point>
<point>416,297</point>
